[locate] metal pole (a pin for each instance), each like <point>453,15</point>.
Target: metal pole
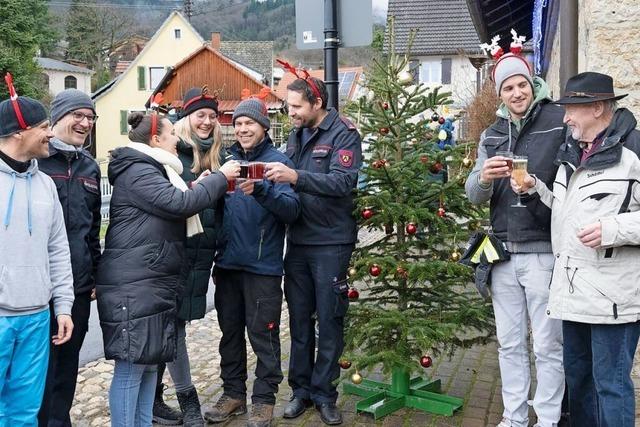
<point>331,51</point>
<point>568,41</point>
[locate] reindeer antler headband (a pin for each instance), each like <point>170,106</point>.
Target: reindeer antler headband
<point>497,52</point>
<point>305,76</point>
<point>13,95</point>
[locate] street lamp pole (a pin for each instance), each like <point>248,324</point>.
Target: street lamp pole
<point>331,42</point>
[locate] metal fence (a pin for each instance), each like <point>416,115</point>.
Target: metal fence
<point>105,190</point>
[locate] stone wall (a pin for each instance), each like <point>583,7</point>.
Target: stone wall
<point>608,42</point>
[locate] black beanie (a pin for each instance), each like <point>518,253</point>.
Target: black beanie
<point>194,100</point>
<point>33,113</point>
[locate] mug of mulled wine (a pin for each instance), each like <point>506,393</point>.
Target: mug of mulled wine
<point>256,171</point>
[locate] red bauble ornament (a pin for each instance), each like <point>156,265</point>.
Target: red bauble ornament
<point>271,326</point>
<point>380,163</point>
<point>426,361</point>
<point>424,159</point>
<point>375,270</point>
<point>436,167</point>
<point>441,120</point>
<point>385,105</point>
<point>402,272</point>
<point>411,228</point>
<point>353,294</point>
<point>441,212</point>
<point>367,213</point>
<point>384,131</point>
<point>344,364</point>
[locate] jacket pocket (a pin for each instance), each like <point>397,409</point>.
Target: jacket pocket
<point>320,161</point>
<point>167,258</point>
<point>24,287</point>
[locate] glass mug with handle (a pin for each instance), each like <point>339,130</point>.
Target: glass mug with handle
<point>519,173</point>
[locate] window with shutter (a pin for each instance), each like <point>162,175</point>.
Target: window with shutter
<point>446,71</point>
<point>141,79</point>
<point>124,128</point>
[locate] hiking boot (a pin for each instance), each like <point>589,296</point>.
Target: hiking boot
<point>190,405</point>
<point>225,408</point>
<point>261,414</point>
<point>164,414</point>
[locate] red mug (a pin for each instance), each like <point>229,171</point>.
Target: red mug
<point>256,170</point>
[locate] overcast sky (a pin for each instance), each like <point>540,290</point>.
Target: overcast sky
<point>380,7</point>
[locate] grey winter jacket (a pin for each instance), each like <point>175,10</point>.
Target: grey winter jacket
<point>597,285</point>
<point>35,264</point>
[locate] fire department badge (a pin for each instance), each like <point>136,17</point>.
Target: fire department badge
<point>346,158</point>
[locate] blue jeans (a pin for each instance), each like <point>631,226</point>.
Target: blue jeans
<point>131,394</point>
<point>597,363</point>
<point>24,353</point>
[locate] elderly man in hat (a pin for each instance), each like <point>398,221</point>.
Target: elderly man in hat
<point>34,260</point>
<point>527,124</point>
<point>77,178</point>
<point>595,234</point>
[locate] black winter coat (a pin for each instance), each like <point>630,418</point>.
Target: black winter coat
<point>137,284</point>
<point>201,249</point>
<point>77,178</point>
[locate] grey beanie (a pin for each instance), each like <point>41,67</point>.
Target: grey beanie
<point>67,101</point>
<point>510,65</point>
<point>254,109</point>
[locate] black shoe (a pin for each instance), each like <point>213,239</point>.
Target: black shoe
<point>163,414</point>
<point>296,407</point>
<point>190,405</point>
<point>329,414</point>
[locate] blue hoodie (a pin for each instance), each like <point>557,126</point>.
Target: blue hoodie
<point>35,264</point>
<point>253,227</point>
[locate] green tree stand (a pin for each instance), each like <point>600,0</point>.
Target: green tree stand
<point>381,399</point>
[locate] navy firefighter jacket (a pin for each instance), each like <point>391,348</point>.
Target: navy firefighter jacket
<point>327,166</point>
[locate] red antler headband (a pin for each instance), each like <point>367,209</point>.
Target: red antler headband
<point>306,77</point>
<point>497,53</point>
<point>8,78</point>
<point>154,124</point>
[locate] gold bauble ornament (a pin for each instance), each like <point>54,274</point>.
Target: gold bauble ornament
<point>455,256</point>
<point>352,272</point>
<point>405,78</point>
<point>466,162</point>
<point>356,378</point>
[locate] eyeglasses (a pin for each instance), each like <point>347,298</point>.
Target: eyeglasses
<point>202,117</point>
<point>79,117</point>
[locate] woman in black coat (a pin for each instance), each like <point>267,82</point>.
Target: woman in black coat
<point>137,283</point>
<point>199,148</point>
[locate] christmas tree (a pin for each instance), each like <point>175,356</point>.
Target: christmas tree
<point>411,300</point>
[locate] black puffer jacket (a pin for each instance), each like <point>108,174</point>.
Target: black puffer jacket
<point>137,283</point>
<point>201,248</point>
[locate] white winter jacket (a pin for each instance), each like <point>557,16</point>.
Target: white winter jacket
<point>597,285</point>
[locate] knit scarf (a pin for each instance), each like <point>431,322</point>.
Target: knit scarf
<point>173,166</point>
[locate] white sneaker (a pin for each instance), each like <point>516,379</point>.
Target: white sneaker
<point>506,422</point>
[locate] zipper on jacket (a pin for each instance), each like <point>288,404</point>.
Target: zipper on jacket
<point>260,244</point>
<point>68,184</point>
<point>567,268</point>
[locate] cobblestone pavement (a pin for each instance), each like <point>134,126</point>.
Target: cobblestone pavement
<point>472,374</point>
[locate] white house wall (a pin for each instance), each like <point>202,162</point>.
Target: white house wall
<point>463,78</point>
<point>56,81</point>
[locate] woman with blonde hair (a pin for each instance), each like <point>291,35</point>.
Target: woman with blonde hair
<point>199,149</point>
